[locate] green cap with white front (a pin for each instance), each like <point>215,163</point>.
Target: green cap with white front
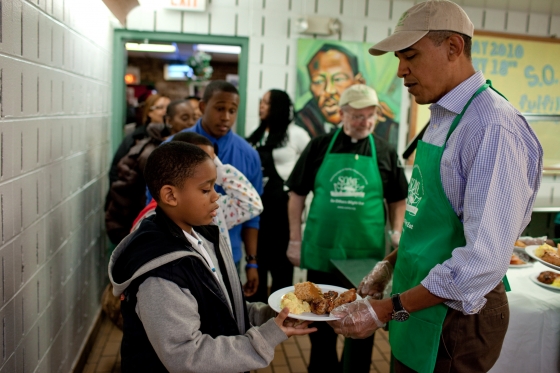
<point>359,96</point>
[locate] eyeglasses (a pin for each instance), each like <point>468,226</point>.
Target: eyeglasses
<point>159,107</point>
<point>360,118</point>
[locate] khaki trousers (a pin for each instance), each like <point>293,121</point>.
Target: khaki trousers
<point>471,343</point>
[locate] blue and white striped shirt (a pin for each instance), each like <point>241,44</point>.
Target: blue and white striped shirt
<point>491,171</point>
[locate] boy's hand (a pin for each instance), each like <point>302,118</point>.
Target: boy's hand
<point>250,287</point>
<point>291,326</point>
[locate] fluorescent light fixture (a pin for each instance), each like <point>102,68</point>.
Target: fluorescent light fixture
<point>212,48</point>
<point>143,47</point>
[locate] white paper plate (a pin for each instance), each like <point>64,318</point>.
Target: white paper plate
<point>531,251</point>
<point>276,297</point>
<point>534,277</point>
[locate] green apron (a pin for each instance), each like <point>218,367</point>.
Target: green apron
<point>431,231</point>
<point>347,218</point>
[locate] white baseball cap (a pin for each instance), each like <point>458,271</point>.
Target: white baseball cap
<point>359,96</point>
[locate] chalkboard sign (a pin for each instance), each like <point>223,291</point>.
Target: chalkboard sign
<point>524,69</point>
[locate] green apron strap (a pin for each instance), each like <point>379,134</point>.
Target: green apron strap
<point>460,116</point>
<point>506,284</point>
<point>333,140</point>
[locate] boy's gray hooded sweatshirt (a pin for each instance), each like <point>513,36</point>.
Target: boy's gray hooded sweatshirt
<point>169,315</point>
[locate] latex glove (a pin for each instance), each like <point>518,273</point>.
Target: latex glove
<point>294,252</point>
<point>533,240</point>
<point>395,238</point>
<point>375,282</point>
<point>358,319</point>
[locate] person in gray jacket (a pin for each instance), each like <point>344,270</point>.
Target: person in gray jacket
<point>182,300</point>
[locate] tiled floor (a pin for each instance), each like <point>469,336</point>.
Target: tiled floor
<point>291,356</point>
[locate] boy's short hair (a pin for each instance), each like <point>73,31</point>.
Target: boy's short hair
<point>171,164</point>
<point>218,86</point>
<point>192,138</point>
<point>172,107</point>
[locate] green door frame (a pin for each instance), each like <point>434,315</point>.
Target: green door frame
<point>121,36</point>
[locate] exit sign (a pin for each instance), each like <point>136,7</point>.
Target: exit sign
<point>192,5</point>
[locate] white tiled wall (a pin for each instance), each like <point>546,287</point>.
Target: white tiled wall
<point>55,68</point>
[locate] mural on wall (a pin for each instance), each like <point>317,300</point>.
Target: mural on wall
<point>325,68</point>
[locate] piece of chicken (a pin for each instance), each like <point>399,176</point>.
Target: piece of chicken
<point>346,297</point>
<point>547,277</point>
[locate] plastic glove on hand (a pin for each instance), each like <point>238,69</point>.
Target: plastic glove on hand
<point>358,319</point>
<point>533,240</point>
<point>375,282</point>
<point>294,252</point>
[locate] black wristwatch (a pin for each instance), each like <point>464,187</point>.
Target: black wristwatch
<point>399,313</point>
<point>248,258</point>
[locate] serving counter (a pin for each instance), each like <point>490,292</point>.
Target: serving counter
<point>532,343</point>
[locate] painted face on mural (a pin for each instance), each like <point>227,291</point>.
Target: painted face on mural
<point>330,74</point>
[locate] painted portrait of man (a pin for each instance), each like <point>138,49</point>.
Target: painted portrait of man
<point>331,70</point>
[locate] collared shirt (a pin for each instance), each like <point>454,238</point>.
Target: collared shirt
<point>197,244</point>
<point>491,171</point>
<point>234,150</point>
<point>208,252</point>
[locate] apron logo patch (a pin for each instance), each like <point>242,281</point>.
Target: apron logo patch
<point>415,191</point>
<point>348,183</point>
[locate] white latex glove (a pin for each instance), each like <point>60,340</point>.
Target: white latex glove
<point>395,238</point>
<point>294,252</point>
<point>533,240</point>
<point>358,319</point>
<point>375,282</point>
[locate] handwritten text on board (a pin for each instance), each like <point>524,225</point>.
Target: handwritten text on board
<point>526,72</point>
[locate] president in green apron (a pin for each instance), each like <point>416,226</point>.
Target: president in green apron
<point>475,177</point>
<point>350,171</point>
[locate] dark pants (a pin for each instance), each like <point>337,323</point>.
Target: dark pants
<point>471,343</point>
<point>274,235</point>
<point>356,357</point>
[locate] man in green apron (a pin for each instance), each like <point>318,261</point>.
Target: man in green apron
<point>473,185</point>
<point>350,172</point>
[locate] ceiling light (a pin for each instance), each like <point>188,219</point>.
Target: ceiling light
<point>143,47</point>
<point>212,48</point>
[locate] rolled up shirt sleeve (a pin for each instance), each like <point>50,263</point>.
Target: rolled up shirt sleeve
<point>502,178</point>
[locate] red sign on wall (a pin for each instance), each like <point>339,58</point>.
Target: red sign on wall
<point>191,5</point>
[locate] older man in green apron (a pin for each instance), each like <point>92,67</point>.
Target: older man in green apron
<point>350,171</point>
<point>475,177</point>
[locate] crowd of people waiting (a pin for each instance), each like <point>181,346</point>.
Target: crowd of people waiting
<point>209,190</point>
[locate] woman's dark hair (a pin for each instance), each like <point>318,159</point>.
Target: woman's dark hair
<point>280,115</point>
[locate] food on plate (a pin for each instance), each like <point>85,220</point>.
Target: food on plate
<point>556,282</point>
<point>519,244</point>
<point>548,253</point>
<point>324,304</point>
<point>552,258</point>
<point>539,251</point>
<point>307,291</point>
<point>310,298</point>
<point>516,260</point>
<point>295,305</point>
<point>548,277</point>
